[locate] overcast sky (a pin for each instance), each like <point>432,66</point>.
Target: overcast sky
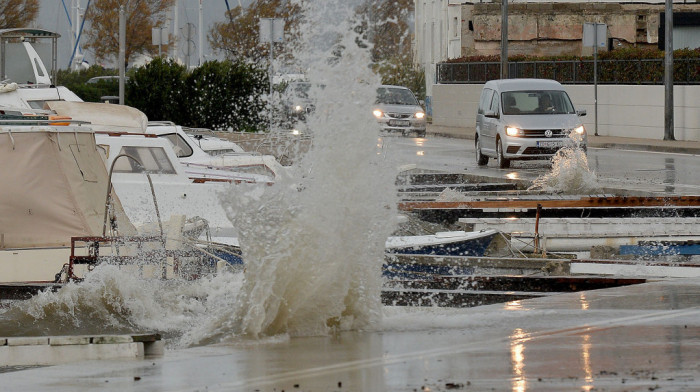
<point>52,17</point>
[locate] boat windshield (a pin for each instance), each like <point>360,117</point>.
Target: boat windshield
<point>154,160</point>
<point>180,145</point>
<point>258,169</point>
<point>536,102</point>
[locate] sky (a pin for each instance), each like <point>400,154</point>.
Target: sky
<point>52,17</point>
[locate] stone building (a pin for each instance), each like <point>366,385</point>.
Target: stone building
<point>448,29</point>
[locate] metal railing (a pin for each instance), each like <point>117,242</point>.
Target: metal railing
<point>639,71</point>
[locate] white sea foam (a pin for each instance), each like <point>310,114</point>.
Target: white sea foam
<point>314,242</point>
<point>570,174</point>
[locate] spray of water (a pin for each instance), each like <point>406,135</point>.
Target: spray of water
<point>570,173</point>
<point>313,243</point>
<point>110,300</point>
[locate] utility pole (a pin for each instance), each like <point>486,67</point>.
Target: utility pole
<point>122,53</point>
<point>176,32</point>
<point>75,59</point>
<point>668,73</point>
<point>201,29</point>
<point>504,39</point>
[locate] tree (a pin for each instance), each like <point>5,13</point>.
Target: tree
<point>238,37</point>
<point>386,26</point>
<point>141,16</point>
<point>18,13</point>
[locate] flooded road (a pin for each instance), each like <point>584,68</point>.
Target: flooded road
<point>643,337</point>
<point>631,171</point>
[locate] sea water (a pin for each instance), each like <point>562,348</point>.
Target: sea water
<point>570,173</point>
<point>313,242</point>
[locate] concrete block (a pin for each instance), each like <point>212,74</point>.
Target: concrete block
<point>156,348</point>
<point>112,339</point>
<point>37,355</point>
<point>28,341</point>
<point>68,340</point>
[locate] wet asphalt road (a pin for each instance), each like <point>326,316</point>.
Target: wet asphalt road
<point>634,171</point>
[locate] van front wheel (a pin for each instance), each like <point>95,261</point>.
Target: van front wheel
<point>503,163</point>
<point>481,159</point>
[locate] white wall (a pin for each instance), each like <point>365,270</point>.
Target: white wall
<point>623,110</point>
<point>435,39</point>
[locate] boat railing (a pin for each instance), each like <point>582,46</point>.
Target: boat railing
<point>147,255</point>
<point>40,120</point>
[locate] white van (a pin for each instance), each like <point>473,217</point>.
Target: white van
<point>525,119</point>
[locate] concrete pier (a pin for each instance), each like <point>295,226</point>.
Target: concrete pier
<point>54,350</point>
<point>638,337</point>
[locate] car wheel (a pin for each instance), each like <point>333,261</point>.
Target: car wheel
<point>503,163</point>
<point>421,134</point>
<point>481,159</point>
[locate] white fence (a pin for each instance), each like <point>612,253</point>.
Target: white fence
<point>623,110</point>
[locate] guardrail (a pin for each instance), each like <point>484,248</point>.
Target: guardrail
<point>639,71</point>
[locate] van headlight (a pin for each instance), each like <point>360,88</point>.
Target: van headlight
<point>513,131</point>
<point>419,115</point>
<point>579,130</point>
<point>377,113</point>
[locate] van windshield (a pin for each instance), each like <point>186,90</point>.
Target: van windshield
<point>536,102</point>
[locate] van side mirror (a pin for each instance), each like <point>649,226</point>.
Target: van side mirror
<point>490,114</point>
<point>581,112</point>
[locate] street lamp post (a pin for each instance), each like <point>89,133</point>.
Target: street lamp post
<point>504,39</point>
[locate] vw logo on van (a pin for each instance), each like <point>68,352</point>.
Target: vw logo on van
<point>548,133</point>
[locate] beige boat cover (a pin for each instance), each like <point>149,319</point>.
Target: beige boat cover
<point>102,116</point>
<point>54,185</point>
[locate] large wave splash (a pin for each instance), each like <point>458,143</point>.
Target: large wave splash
<point>314,242</point>
<point>570,173</point>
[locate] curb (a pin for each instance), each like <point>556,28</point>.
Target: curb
<point>637,147</point>
<point>594,144</point>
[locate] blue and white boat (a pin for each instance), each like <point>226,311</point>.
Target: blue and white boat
<point>446,243</point>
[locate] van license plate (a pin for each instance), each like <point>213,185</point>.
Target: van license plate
<point>550,144</point>
<point>399,123</point>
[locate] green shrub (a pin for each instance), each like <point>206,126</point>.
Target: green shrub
<point>157,90</point>
<point>403,74</point>
<point>227,95</point>
<point>76,81</point>
<point>624,66</point>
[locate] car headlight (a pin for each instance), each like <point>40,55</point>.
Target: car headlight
<point>580,130</point>
<point>513,131</point>
<point>420,115</point>
<point>298,108</point>
<point>377,113</point>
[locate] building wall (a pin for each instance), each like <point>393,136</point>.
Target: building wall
<point>436,40</point>
<point>545,29</point>
<point>623,110</point>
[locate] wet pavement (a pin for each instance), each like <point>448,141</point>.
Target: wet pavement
<point>643,337</point>
<point>633,338</point>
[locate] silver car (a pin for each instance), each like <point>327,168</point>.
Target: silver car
<point>398,110</point>
<point>525,119</point>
